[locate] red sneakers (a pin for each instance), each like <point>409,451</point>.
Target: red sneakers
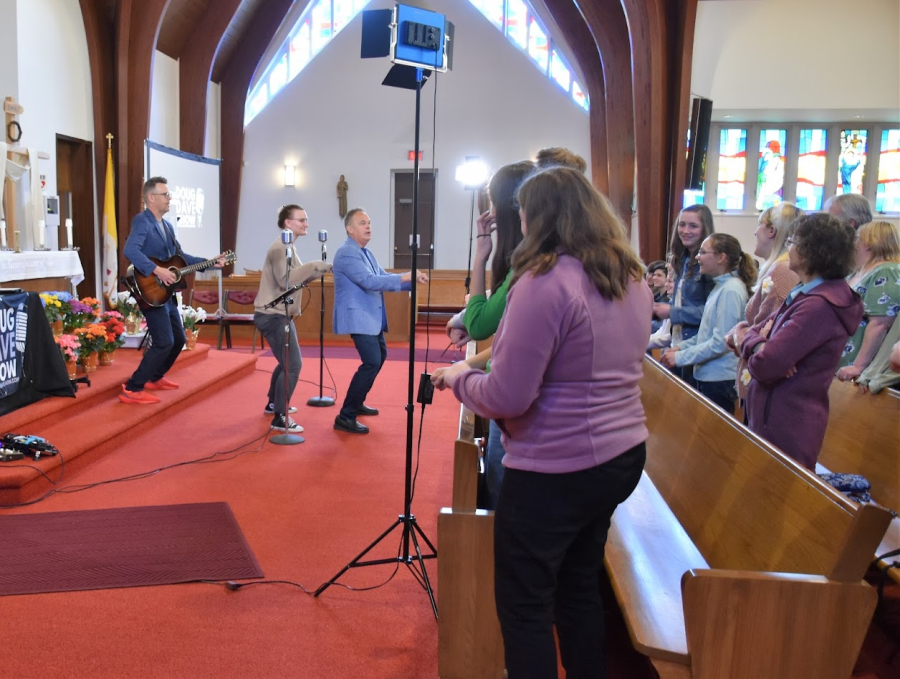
<point>162,384</point>
<point>137,397</point>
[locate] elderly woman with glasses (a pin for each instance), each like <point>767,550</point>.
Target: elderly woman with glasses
<point>791,356</point>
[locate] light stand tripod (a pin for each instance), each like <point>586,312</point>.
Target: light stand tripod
<point>411,532</point>
<point>321,401</point>
<point>287,439</point>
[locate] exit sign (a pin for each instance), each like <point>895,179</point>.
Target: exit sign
<point>411,155</point>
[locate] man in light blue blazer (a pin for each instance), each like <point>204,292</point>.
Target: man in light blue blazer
<point>153,236</point>
<point>359,287</point>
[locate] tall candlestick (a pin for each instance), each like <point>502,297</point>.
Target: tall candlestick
<point>69,233</point>
<point>3,233</point>
<point>42,228</point>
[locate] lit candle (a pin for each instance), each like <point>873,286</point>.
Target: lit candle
<point>69,233</point>
<point>42,227</point>
<point>3,233</point>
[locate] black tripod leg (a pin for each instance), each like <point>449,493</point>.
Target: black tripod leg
<point>418,530</point>
<point>355,560</point>
<point>426,584</point>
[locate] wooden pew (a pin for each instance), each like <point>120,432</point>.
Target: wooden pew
<point>730,559</point>
<point>469,641</point>
<point>863,437</point>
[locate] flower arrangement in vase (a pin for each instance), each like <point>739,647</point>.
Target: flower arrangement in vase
<point>190,316</point>
<point>56,306</point>
<point>127,305</point>
<point>69,346</point>
<point>80,314</point>
<point>111,321</point>
<point>92,338</point>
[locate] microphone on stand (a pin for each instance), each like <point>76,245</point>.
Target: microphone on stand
<point>323,237</point>
<point>287,237</point>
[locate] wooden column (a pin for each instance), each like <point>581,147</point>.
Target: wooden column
<point>662,34</point>
<point>194,69</point>
<point>235,84</point>
<point>588,57</point>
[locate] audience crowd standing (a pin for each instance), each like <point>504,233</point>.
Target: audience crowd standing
<point>692,287</point>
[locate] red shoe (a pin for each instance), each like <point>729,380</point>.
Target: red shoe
<point>161,384</point>
<point>137,397</point>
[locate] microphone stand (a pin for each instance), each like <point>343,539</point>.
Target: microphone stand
<point>321,401</point>
<point>287,439</point>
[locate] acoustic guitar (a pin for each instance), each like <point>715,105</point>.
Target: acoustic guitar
<point>149,291</point>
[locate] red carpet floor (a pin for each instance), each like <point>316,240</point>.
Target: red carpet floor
<point>305,510</point>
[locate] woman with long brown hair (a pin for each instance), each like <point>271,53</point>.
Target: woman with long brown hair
<point>563,387</point>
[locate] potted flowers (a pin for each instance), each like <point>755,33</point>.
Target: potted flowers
<point>56,306</point>
<point>190,316</point>
<point>127,305</point>
<point>92,338</point>
<point>69,346</point>
<point>80,314</point>
<point>111,321</point>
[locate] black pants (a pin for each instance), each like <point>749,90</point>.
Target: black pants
<point>167,333</point>
<point>549,536</point>
<point>373,352</point>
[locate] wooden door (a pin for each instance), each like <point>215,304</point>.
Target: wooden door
<point>75,186</point>
<point>403,219</point>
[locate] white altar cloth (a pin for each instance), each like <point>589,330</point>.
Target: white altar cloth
<point>50,264</point>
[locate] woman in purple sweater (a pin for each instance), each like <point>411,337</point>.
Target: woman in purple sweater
<point>564,389</point>
<point>792,355</point>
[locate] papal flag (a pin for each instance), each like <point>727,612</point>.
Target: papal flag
<point>110,239</point>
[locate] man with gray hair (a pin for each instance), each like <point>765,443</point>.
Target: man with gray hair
<point>850,208</point>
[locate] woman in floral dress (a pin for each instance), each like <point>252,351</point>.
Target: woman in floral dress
<point>877,280</point>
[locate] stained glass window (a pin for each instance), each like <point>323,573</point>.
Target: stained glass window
<point>887,194</point>
<point>300,49</point>
<point>321,25</point>
<point>732,169</point>
<point>537,44</point>
<point>852,162</point>
<point>517,22</point>
<point>279,76</point>
<point>259,101</point>
<point>559,71</point>
<point>343,12</point>
<point>579,96</point>
<point>694,197</point>
<point>492,9</point>
<point>811,169</point>
<point>770,170</point>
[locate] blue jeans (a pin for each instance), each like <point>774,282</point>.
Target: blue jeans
<point>271,327</point>
<point>723,393</point>
<point>373,352</point>
<point>167,332</point>
<point>549,536</point>
<point>493,467</point>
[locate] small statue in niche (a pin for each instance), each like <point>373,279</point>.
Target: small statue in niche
<point>342,196</point>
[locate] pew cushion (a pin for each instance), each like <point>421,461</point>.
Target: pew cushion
<point>647,553</point>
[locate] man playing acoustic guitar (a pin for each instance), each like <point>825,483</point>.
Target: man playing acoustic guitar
<point>153,236</point>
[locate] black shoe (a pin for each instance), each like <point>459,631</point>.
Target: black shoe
<point>366,410</point>
<point>351,426</point>
<point>270,409</point>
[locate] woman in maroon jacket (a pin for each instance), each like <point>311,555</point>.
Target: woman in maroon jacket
<point>792,355</point>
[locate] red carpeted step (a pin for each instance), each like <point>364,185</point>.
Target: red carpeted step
<point>103,380</point>
<point>96,423</point>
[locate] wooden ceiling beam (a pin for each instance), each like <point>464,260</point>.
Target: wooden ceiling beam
<point>587,55</point>
<point>237,74</point>
<point>195,68</point>
<point>606,21</point>
<point>137,29</point>
<point>662,36</point>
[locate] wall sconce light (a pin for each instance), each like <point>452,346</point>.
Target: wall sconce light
<point>289,171</point>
